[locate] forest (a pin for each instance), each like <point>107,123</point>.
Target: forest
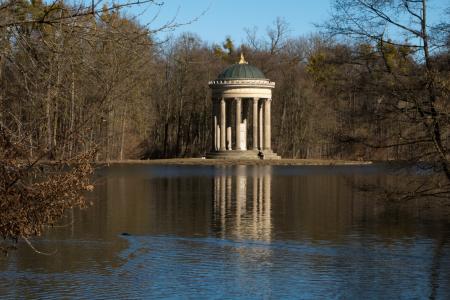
<point>105,82</point>
<point>92,83</point>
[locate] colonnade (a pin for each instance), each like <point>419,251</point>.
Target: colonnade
<point>223,135</point>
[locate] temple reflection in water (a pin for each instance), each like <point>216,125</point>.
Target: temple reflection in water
<point>242,202</point>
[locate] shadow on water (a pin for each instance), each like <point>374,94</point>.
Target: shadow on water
<point>236,232</point>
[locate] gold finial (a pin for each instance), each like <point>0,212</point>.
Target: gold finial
<point>242,61</point>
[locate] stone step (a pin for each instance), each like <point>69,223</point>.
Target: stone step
<point>239,154</point>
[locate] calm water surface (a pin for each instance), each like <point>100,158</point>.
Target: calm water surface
<point>206,232</point>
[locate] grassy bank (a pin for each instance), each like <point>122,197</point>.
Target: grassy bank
<point>212,162</point>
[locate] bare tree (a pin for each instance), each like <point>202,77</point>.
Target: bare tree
<point>74,85</point>
<point>408,88</point>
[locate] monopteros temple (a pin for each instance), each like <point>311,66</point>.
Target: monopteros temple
<point>242,98</point>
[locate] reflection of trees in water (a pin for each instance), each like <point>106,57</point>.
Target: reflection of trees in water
<point>270,205</point>
<point>242,203</point>
<point>400,184</point>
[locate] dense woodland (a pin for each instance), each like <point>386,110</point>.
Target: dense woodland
<point>105,82</point>
<point>371,84</point>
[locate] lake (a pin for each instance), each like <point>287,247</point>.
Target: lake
<point>226,232</point>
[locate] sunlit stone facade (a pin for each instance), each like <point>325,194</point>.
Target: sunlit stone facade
<point>241,93</point>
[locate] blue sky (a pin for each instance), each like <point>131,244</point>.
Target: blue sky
<point>223,18</point>
<point>218,19</point>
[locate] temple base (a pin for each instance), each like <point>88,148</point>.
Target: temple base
<point>245,154</point>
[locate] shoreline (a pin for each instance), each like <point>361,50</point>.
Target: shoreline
<point>219,162</point>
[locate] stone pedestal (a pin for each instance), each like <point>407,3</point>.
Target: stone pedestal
<point>240,154</point>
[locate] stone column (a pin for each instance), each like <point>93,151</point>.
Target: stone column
<point>255,124</point>
<point>238,123</point>
<point>222,124</point>
<point>228,133</point>
<point>267,133</point>
<point>218,132</point>
<point>260,119</point>
<point>214,125</point>
<point>245,109</point>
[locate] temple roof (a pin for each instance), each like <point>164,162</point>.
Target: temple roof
<point>241,70</point>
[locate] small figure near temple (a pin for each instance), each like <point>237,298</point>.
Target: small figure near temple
<point>261,155</point>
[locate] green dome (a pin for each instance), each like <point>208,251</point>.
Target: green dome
<point>241,71</point>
